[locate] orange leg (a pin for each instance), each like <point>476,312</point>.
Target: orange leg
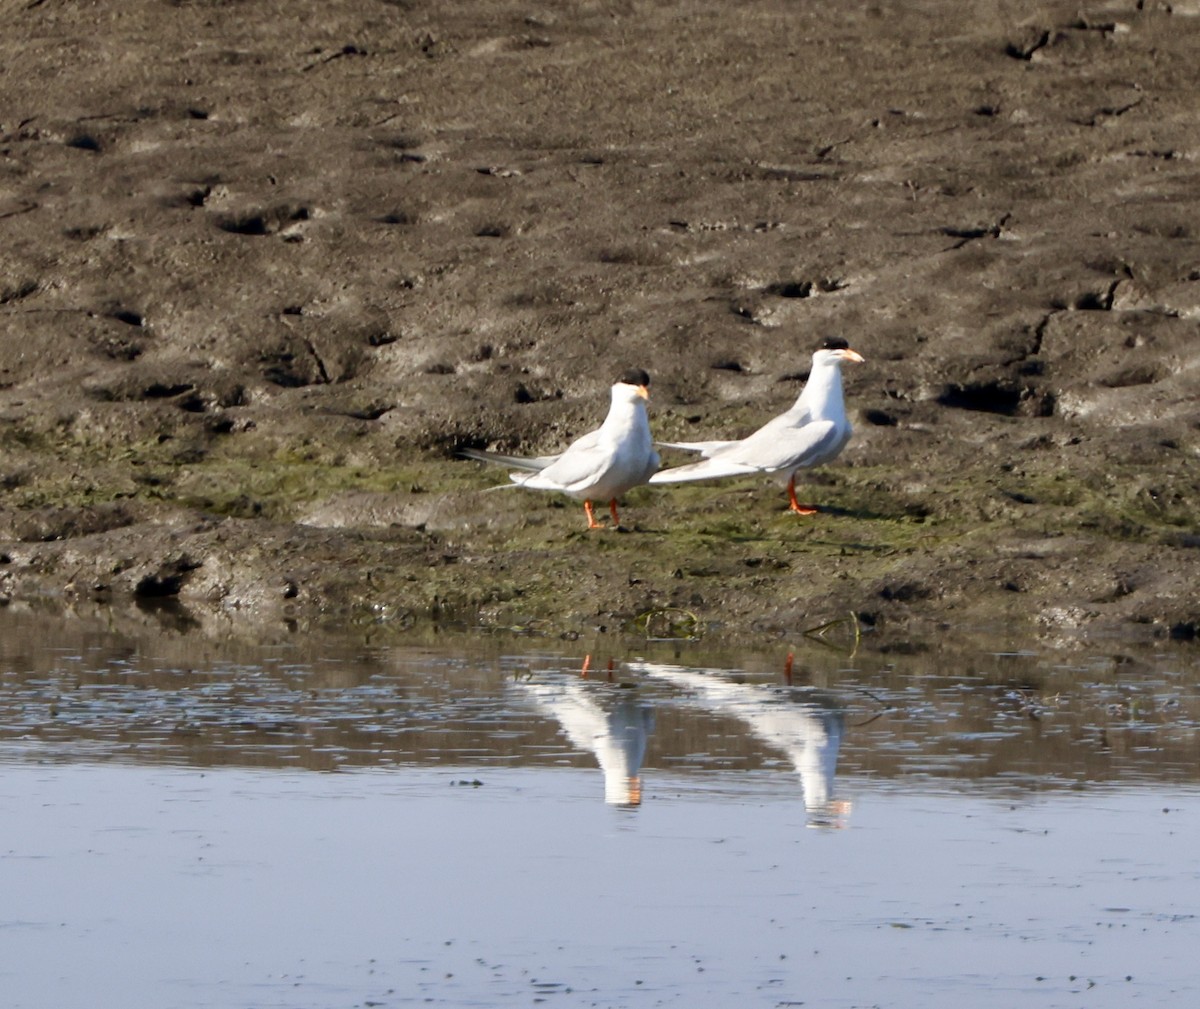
<point>795,505</point>
<point>612,510</point>
<point>587,667</point>
<point>591,514</point>
<point>787,669</point>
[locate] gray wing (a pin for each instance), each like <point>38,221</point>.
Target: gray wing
<point>535,463</point>
<point>773,449</point>
<point>705,448</point>
<point>782,449</point>
<point>582,464</point>
<point>776,427</point>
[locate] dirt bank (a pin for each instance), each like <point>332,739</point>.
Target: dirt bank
<point>266,267</point>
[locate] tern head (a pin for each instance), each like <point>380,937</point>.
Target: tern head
<point>835,350</point>
<point>635,384</point>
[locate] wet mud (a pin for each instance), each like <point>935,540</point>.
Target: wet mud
<point>268,268</point>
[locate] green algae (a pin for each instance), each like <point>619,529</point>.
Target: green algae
<point>726,553</point>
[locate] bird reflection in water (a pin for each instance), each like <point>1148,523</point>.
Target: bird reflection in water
<point>805,723</point>
<point>608,720</point>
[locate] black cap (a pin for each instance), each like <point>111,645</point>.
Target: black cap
<point>634,376</point>
<point>834,343</point>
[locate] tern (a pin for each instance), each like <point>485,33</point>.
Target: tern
<point>601,465</point>
<point>814,431</point>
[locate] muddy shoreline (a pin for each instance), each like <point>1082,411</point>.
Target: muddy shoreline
<point>268,268</point>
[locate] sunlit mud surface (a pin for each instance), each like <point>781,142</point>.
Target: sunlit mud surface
<point>471,822</point>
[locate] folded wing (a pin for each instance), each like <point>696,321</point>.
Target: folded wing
<point>571,472</point>
<point>534,463</point>
<point>705,448</point>
<point>768,450</point>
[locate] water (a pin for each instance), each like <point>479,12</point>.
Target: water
<point>192,820</point>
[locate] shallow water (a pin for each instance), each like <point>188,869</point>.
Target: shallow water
<point>196,821</point>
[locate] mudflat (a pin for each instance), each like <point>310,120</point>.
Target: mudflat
<point>266,268</point>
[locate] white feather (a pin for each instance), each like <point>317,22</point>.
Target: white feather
<point>599,466</point>
<point>814,431</point>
